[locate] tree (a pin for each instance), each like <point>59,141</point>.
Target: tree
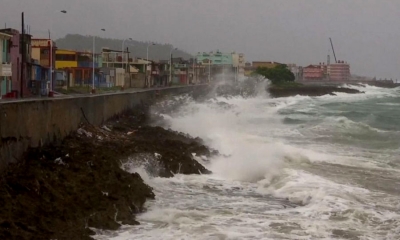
<point>276,75</point>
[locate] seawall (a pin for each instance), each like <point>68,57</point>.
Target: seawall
<point>32,123</point>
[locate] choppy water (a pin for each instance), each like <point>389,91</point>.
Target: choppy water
<point>298,168</point>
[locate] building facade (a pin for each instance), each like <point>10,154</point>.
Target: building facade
<point>5,64</point>
<point>78,68</point>
<point>43,56</point>
<point>313,72</point>
<point>216,58</point>
<point>120,62</point>
<point>66,59</point>
<point>225,64</point>
<point>339,71</point>
<point>20,60</point>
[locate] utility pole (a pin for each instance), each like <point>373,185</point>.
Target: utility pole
<point>193,72</point>
<point>170,64</point>
<point>22,51</point>
<point>209,70</point>
<point>128,68</point>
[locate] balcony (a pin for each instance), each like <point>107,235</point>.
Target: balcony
<point>5,69</point>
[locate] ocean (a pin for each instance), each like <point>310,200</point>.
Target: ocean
<point>290,168</point>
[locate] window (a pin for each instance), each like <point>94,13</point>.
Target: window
<point>65,57</point>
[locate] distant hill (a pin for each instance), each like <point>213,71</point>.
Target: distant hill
<point>85,43</point>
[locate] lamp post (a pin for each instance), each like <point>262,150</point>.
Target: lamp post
<point>122,50</point>
<point>193,72</point>
<point>51,92</point>
<point>94,61</point>
<point>170,63</point>
<point>147,59</point>
<point>209,70</point>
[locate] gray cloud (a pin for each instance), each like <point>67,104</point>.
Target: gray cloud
<point>365,32</point>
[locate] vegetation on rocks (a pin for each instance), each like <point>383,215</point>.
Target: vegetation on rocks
<point>276,75</point>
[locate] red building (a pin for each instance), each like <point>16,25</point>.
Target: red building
<point>339,71</point>
<point>313,72</point>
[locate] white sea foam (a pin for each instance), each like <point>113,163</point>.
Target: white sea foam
<point>270,182</point>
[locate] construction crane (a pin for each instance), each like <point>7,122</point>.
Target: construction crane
<point>333,49</point>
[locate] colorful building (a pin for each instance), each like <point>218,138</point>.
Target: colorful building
<point>5,64</point>
<point>225,64</point>
<point>21,89</point>
<point>339,71</point>
<point>217,58</point>
<point>313,72</point>
<point>76,69</point>
<point>66,59</point>
<point>43,55</point>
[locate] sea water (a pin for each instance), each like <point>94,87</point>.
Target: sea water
<point>290,168</point>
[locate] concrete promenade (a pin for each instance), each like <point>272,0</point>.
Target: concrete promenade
<point>62,96</point>
<point>34,122</point>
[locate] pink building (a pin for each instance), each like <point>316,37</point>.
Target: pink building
<point>313,72</point>
<point>339,71</point>
<point>16,58</point>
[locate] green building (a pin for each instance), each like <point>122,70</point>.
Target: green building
<point>217,58</point>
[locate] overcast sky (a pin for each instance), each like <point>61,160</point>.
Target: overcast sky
<point>365,33</point>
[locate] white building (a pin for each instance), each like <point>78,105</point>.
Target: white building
<point>239,62</point>
<point>295,70</point>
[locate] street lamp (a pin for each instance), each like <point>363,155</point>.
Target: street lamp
<point>51,92</point>
<point>147,59</point>
<point>93,59</point>
<point>122,50</point>
<point>209,70</point>
<point>170,63</point>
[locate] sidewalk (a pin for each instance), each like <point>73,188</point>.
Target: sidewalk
<point>63,96</point>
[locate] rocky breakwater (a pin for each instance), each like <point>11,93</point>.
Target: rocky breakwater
<point>252,87</point>
<point>307,90</point>
<point>65,190</point>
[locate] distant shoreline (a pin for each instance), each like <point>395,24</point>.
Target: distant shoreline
<point>308,90</point>
<point>376,83</point>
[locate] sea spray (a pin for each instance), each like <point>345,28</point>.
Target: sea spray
<point>280,179</point>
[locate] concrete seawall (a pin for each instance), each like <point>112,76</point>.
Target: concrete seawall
<point>33,123</point>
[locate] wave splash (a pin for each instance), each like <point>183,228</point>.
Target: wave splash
<point>273,180</point>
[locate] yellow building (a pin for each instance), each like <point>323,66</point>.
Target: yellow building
<point>66,59</point>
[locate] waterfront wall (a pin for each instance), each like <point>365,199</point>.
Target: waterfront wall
<point>33,123</point>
